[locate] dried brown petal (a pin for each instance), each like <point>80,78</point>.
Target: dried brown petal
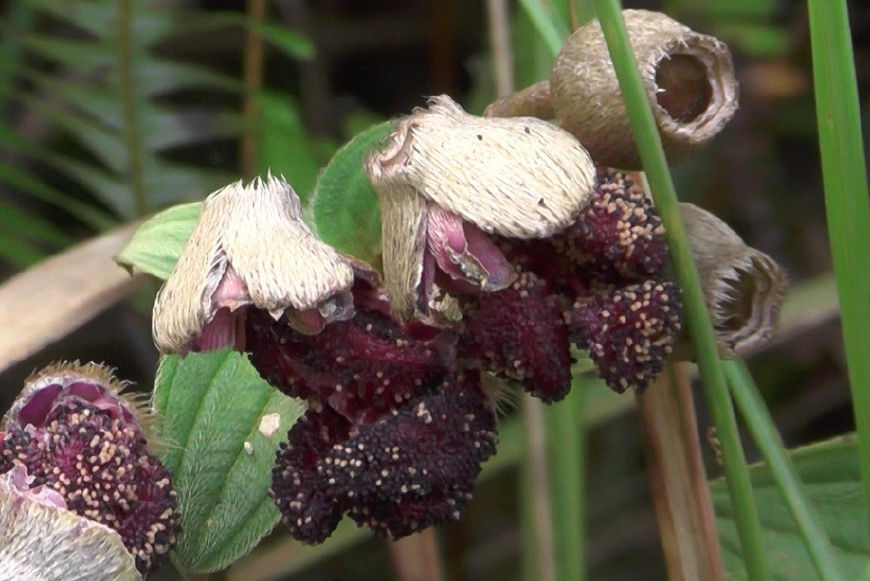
<point>250,247</point>
<point>41,539</point>
<point>404,243</point>
<point>688,76</point>
<point>447,178</point>
<point>517,177</point>
<point>743,287</point>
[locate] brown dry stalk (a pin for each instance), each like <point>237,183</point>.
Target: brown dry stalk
<point>253,71</point>
<point>677,478</point>
<point>61,293</point>
<point>417,558</point>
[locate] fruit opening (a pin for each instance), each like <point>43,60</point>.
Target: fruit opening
<point>739,303</point>
<point>684,89</point>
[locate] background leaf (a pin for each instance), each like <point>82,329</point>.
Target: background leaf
<point>832,482</point>
<point>286,147</point>
<point>155,247</point>
<point>346,209</point>
<point>212,404</point>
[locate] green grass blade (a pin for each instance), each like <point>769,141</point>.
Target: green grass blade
<point>846,198</point>
<point>551,31</point>
<point>565,439</point>
<point>536,503</point>
<point>696,315</point>
<point>564,427</point>
<point>760,424</point>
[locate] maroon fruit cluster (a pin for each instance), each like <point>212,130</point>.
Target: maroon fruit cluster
<point>398,423</point>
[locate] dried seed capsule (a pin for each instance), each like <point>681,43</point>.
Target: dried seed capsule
<point>688,76</point>
<point>75,434</point>
<point>447,179</point>
<point>743,287</point>
<point>41,539</point>
<point>250,247</point>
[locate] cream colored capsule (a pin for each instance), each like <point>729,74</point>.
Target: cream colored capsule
<point>519,177</point>
<point>250,247</point>
<point>743,287</point>
<point>689,78</point>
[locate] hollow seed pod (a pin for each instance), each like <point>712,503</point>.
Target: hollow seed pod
<point>689,78</point>
<point>250,247</point>
<point>447,179</point>
<point>743,287</point>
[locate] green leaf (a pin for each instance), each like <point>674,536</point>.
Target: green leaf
<point>19,253</point>
<point>285,147</point>
<point>288,40</point>
<point>832,482</point>
<point>220,449</point>
<point>157,244</point>
<point>33,186</point>
<point>33,226</point>
<point>346,209</point>
<point>756,41</point>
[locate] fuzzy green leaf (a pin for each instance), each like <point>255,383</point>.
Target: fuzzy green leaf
<point>157,244</point>
<point>832,483</point>
<point>346,209</point>
<point>221,445</point>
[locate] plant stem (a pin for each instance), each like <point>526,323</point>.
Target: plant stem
<point>846,199</point>
<point>127,88</point>
<point>548,29</point>
<point>684,510</point>
<point>536,505</point>
<point>696,315</point>
<point>253,75</point>
<point>500,43</point>
<point>416,557</point>
<point>565,441</point>
<point>760,424</point>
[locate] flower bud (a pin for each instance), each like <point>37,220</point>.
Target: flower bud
<point>77,436</point>
<point>41,539</point>
<point>250,247</point>
<point>447,179</point>
<point>743,287</point>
